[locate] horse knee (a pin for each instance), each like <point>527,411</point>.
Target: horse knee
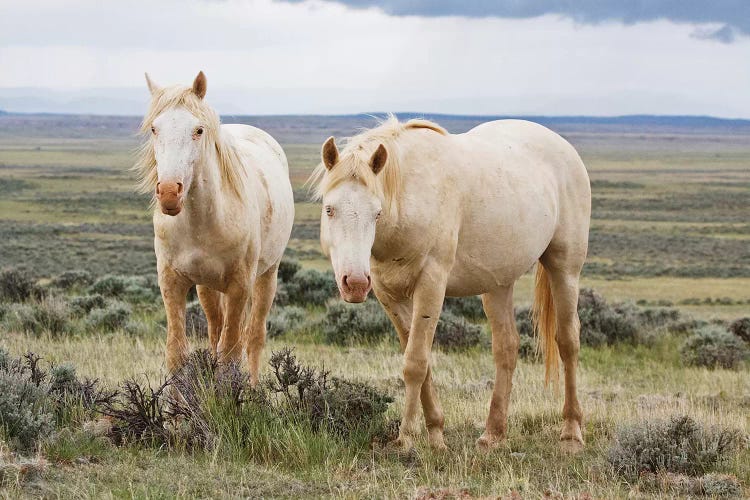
<point>415,370</point>
<point>256,334</point>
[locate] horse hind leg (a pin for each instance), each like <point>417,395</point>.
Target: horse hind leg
<point>498,306</point>
<point>562,270</point>
<point>264,292</point>
<point>211,302</point>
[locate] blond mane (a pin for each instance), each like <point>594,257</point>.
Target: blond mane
<point>355,157</point>
<point>163,99</point>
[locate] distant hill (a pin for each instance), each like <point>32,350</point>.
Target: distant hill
<point>316,128</point>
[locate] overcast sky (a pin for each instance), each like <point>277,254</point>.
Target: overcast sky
<point>556,57</point>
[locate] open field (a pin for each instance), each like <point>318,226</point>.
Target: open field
<point>670,227</point>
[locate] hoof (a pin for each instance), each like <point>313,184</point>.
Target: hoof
<point>571,438</point>
<point>436,440</point>
<point>487,443</point>
<point>402,445</point>
<point>571,446</point>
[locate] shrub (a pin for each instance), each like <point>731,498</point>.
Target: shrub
<point>211,400</point>
<point>113,316</point>
<point>179,410</point>
<point>604,324</point>
<point>455,333</point>
<point>327,403</point>
<point>285,319</point>
<point>655,317</point>
<point>679,445</point>
<point>51,315</point>
<point>720,485</point>
<point>138,412</point>
<point>741,328</point>
<point>20,317</point>
<point>71,392</point>
<point>26,410</point>
<point>196,324</point>
<point>468,307</point>
<point>282,295</point>
<point>713,347</point>
<point>203,386</point>
<point>83,304</point>
<point>346,324</point>
<point>63,380</point>
<point>713,485</point>
<point>16,285</point>
<point>71,279</point>
<point>527,348</point>
<point>109,286</point>
<point>131,288</point>
<point>524,324</point>
<point>202,375</point>
<point>310,287</point>
<point>288,268</point>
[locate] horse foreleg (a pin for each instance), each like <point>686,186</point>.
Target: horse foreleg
<point>174,289</point>
<point>235,309</point>
<point>429,293</point>
<point>400,313</point>
<point>211,302</point>
<point>263,293</point>
<point>498,306</point>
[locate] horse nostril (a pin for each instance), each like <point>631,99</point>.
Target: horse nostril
<point>343,281</point>
<point>179,188</point>
<point>369,281</point>
<point>157,188</point>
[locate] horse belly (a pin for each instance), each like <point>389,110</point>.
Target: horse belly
<point>475,274</point>
<point>494,251</point>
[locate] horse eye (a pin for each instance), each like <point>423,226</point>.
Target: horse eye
<point>329,211</point>
<point>199,131</point>
<point>153,130</point>
<point>378,215</point>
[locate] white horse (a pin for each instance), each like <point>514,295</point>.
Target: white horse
<point>417,213</point>
<point>222,220</point>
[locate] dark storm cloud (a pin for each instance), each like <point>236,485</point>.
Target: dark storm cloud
<point>734,15</point>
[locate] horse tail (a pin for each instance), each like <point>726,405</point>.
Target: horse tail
<point>545,325</point>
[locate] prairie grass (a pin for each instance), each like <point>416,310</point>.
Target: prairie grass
<point>619,385</point>
<point>669,227</point>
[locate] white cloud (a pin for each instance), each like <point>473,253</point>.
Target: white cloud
<point>266,57</point>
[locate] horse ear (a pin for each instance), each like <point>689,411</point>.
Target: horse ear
<point>330,153</point>
<point>199,85</point>
<point>152,87</point>
<point>379,157</point>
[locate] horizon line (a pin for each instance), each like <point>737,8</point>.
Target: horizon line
<point>377,114</point>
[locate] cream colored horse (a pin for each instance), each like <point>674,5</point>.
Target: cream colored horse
<point>223,218</point>
<point>417,214</point>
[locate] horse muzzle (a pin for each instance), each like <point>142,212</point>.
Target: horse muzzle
<point>169,195</point>
<point>355,287</point>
